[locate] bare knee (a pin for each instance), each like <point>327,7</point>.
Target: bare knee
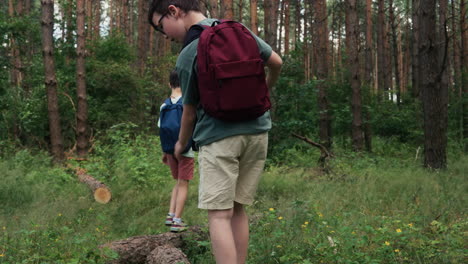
<point>214,215</point>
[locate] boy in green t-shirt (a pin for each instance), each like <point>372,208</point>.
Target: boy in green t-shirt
<point>232,155</point>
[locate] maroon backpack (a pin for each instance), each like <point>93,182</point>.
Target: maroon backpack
<point>231,75</point>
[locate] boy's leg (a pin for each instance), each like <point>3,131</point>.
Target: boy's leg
<point>181,196</point>
<point>221,235</point>
<point>240,231</point>
<point>172,206</point>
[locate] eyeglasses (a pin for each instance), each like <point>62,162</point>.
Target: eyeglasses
<point>159,27</point>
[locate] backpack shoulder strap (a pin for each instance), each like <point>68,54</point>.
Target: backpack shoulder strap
<point>168,101</point>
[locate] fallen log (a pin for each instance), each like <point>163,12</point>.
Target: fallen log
<point>101,192</point>
<point>163,248</point>
<point>167,255</point>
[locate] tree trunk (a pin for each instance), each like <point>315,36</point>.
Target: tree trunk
<point>455,48</point>
<point>253,17</point>
<point>82,109</point>
<point>281,24</point>
<point>267,5</point>
<point>434,96</point>
<point>167,255</point>
<point>139,249</point>
<point>16,72</point>
<point>321,31</point>
<point>396,61</point>
<point>228,11</point>
<point>101,192</point>
<point>298,25</point>
<point>97,19</point>
<point>143,35</point>
<point>47,24</point>
<point>382,59</point>
<point>464,67</point>
<point>240,15</point>
<point>368,76</point>
<point>214,11</point>
<point>287,18</point>
<point>415,56</point>
<point>274,24</point>
<point>352,47</point>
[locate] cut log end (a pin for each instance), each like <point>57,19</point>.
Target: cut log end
<point>102,195</point>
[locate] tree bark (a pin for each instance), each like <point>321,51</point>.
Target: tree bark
<point>143,35</point>
<point>434,95</point>
<point>382,58</point>
<point>267,5</point>
<point>415,49</point>
<point>395,42</point>
<point>167,255</point>
<point>228,11</point>
<point>253,17</point>
<point>368,76</point>
<point>287,20</point>
<point>321,31</point>
<point>352,47</point>
<point>97,19</point>
<point>464,67</point>
<point>101,192</point>
<point>214,11</point>
<point>47,25</point>
<point>240,15</point>
<point>82,108</point>
<point>16,72</point>
<point>140,249</point>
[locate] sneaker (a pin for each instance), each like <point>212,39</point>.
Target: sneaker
<point>168,220</point>
<point>178,227</point>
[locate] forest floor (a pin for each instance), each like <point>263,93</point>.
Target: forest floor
<point>370,208</point>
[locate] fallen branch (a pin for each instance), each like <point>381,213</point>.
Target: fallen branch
<point>163,248</point>
<point>325,154</point>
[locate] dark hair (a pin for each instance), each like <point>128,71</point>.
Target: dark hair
<point>174,79</point>
<point>160,7</point>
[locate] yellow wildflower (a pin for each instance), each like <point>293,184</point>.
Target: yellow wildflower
<point>332,231</point>
<point>397,250</point>
<point>272,209</point>
<point>410,225</point>
<point>280,218</point>
<point>303,226</point>
<point>320,215</point>
<point>4,228</point>
<point>398,230</point>
<point>1,255</point>
<point>306,223</point>
<point>387,243</point>
<point>353,233</point>
<point>279,246</point>
<point>59,214</point>
<point>97,229</point>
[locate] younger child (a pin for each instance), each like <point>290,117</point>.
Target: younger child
<point>182,168</point>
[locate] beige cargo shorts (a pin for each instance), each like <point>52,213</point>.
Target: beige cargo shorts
<point>230,170</point>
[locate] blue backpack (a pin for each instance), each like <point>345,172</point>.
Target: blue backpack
<point>171,116</point>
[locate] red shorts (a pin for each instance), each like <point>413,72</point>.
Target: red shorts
<point>180,169</point>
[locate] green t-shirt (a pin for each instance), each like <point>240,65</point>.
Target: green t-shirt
<point>209,129</point>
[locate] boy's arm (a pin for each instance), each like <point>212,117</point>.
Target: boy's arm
<point>189,117</point>
<point>274,64</point>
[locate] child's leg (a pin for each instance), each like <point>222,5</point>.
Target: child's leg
<point>221,235</point>
<point>181,197</point>
<point>172,206</point>
<point>240,231</point>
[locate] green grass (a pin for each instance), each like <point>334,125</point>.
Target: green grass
<point>374,208</point>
